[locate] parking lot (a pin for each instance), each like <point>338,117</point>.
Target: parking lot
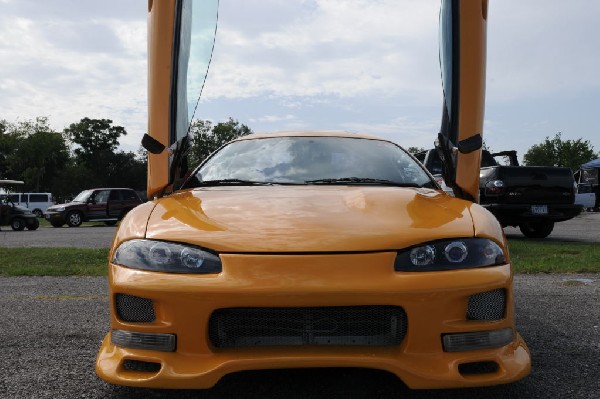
<point>52,327</point>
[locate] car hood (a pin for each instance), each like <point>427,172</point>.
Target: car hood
<point>308,218</point>
<point>65,205</point>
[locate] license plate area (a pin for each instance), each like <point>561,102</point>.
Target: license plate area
<point>539,209</point>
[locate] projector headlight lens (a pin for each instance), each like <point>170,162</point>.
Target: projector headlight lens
<point>459,253</point>
<point>162,256</point>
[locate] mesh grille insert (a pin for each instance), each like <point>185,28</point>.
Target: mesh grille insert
<point>336,325</point>
<point>134,309</point>
<point>487,305</point>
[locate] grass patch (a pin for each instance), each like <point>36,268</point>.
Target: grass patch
<point>530,256</point>
<point>53,261</point>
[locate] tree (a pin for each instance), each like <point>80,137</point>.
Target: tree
<point>9,141</point>
<point>95,139</point>
<point>206,138</point>
<point>559,152</point>
<point>415,150</point>
<point>38,154</point>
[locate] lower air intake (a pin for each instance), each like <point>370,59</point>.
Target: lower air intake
<point>336,325</point>
<point>487,306</point>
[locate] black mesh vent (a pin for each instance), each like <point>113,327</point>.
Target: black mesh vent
<point>487,305</point>
<point>138,365</point>
<point>336,325</point>
<point>134,309</point>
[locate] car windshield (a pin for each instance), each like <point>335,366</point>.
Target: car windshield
<point>312,160</point>
<point>83,196</point>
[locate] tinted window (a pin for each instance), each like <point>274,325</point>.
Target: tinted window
<point>301,159</point>
<point>101,196</point>
<point>129,195</point>
<point>38,198</point>
<point>115,195</point>
<point>14,197</point>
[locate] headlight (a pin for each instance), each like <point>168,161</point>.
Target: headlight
<point>459,253</point>
<point>59,209</point>
<point>161,256</point>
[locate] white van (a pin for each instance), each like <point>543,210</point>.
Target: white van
<point>35,202</point>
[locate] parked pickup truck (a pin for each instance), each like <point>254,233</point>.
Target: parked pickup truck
<point>530,197</point>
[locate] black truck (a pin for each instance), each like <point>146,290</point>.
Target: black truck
<point>530,197</point>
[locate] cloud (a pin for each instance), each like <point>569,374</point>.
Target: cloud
<point>347,49</point>
<point>273,118</point>
<point>69,69</point>
<point>539,48</point>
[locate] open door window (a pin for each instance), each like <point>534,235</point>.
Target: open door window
<point>181,41</point>
<point>462,63</point>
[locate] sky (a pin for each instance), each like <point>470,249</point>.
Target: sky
<point>367,66</point>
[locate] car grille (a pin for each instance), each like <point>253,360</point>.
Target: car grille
<point>336,325</point>
<point>134,309</point>
<point>487,306</point>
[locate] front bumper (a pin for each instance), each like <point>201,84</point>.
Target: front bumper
<point>55,216</point>
<point>435,304</point>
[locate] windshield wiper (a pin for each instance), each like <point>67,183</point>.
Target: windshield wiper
<point>361,180</point>
<point>231,182</point>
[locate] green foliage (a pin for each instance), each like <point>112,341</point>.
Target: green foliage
<point>96,141</point>
<point>34,153</point>
<point>207,138</point>
<point>559,152</point>
<point>94,138</point>
<point>31,151</point>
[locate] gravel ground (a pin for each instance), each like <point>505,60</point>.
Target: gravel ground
<point>51,328</point>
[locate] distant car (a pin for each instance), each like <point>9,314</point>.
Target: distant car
<point>108,205</point>
<point>18,217</point>
<point>35,202</point>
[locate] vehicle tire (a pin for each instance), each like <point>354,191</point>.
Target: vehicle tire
<point>38,213</point>
<point>33,225</point>
<point>110,222</point>
<point>17,224</point>
<point>57,224</point>
<point>74,219</point>
<point>541,229</point>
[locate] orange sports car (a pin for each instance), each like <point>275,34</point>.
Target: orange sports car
<point>310,249</point>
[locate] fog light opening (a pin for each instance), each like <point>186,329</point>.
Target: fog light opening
<point>149,341</point>
<point>478,368</point>
<point>141,366</point>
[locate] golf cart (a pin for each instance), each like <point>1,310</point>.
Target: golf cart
<point>18,217</point>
